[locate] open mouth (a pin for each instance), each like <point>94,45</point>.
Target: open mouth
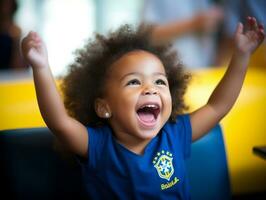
<point>148,114</point>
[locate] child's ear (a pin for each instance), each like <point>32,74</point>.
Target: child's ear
<point>102,108</point>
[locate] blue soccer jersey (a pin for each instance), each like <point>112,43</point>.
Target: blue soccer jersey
<point>114,172</point>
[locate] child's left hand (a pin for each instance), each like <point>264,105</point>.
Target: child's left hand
<point>247,41</point>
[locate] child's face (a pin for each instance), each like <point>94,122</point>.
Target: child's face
<point>137,96</point>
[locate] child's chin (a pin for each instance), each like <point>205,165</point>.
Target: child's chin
<point>148,135</point>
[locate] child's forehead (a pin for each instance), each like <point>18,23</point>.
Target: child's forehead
<point>137,60</point>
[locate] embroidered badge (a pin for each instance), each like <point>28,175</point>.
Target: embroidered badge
<point>163,164</point>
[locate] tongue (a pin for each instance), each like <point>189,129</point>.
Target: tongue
<point>146,116</point>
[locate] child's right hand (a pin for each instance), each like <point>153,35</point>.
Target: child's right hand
<point>34,51</point>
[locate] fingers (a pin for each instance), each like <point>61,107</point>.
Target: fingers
<point>34,36</point>
<point>252,25</point>
<point>239,29</point>
<point>31,40</point>
<point>248,23</point>
<point>261,32</point>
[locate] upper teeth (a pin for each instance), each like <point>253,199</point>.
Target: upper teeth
<point>150,106</point>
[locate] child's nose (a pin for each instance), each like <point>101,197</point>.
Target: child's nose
<point>149,91</point>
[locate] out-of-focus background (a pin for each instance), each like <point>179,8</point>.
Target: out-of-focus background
<point>202,32</point>
<point>65,25</point>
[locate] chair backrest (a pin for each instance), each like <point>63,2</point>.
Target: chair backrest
<point>207,168</point>
<point>31,168</point>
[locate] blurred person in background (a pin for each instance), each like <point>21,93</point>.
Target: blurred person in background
<point>236,11</point>
<point>10,35</point>
<point>193,25</point>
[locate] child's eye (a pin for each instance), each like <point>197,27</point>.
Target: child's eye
<point>133,82</point>
<point>160,82</point>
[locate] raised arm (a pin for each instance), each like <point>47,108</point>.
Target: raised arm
<point>226,92</point>
<point>68,130</point>
<point>204,21</point>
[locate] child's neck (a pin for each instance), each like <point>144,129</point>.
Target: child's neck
<point>133,144</point>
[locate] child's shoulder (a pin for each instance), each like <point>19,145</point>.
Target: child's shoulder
<point>182,119</point>
<point>99,130</point>
<point>181,124</point>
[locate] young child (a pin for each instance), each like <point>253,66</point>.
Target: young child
<point>124,110</point>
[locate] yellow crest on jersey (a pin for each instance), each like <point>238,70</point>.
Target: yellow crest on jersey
<point>163,164</point>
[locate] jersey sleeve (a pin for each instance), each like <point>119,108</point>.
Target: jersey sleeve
<point>180,134</point>
<point>186,134</point>
<point>97,142</point>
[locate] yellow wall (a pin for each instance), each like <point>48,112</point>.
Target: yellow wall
<point>243,128</point>
<point>18,105</point>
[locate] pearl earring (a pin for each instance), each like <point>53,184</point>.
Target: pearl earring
<point>106,115</point>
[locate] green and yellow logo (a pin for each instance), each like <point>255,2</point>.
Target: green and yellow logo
<point>163,162</point>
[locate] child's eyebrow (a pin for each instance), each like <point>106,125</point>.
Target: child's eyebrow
<point>139,74</point>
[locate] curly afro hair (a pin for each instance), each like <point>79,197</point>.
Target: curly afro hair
<point>85,80</point>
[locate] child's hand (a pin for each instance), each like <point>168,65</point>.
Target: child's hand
<point>247,41</point>
<point>34,51</point>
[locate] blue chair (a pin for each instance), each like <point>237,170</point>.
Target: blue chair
<point>207,168</point>
<point>31,167</point>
